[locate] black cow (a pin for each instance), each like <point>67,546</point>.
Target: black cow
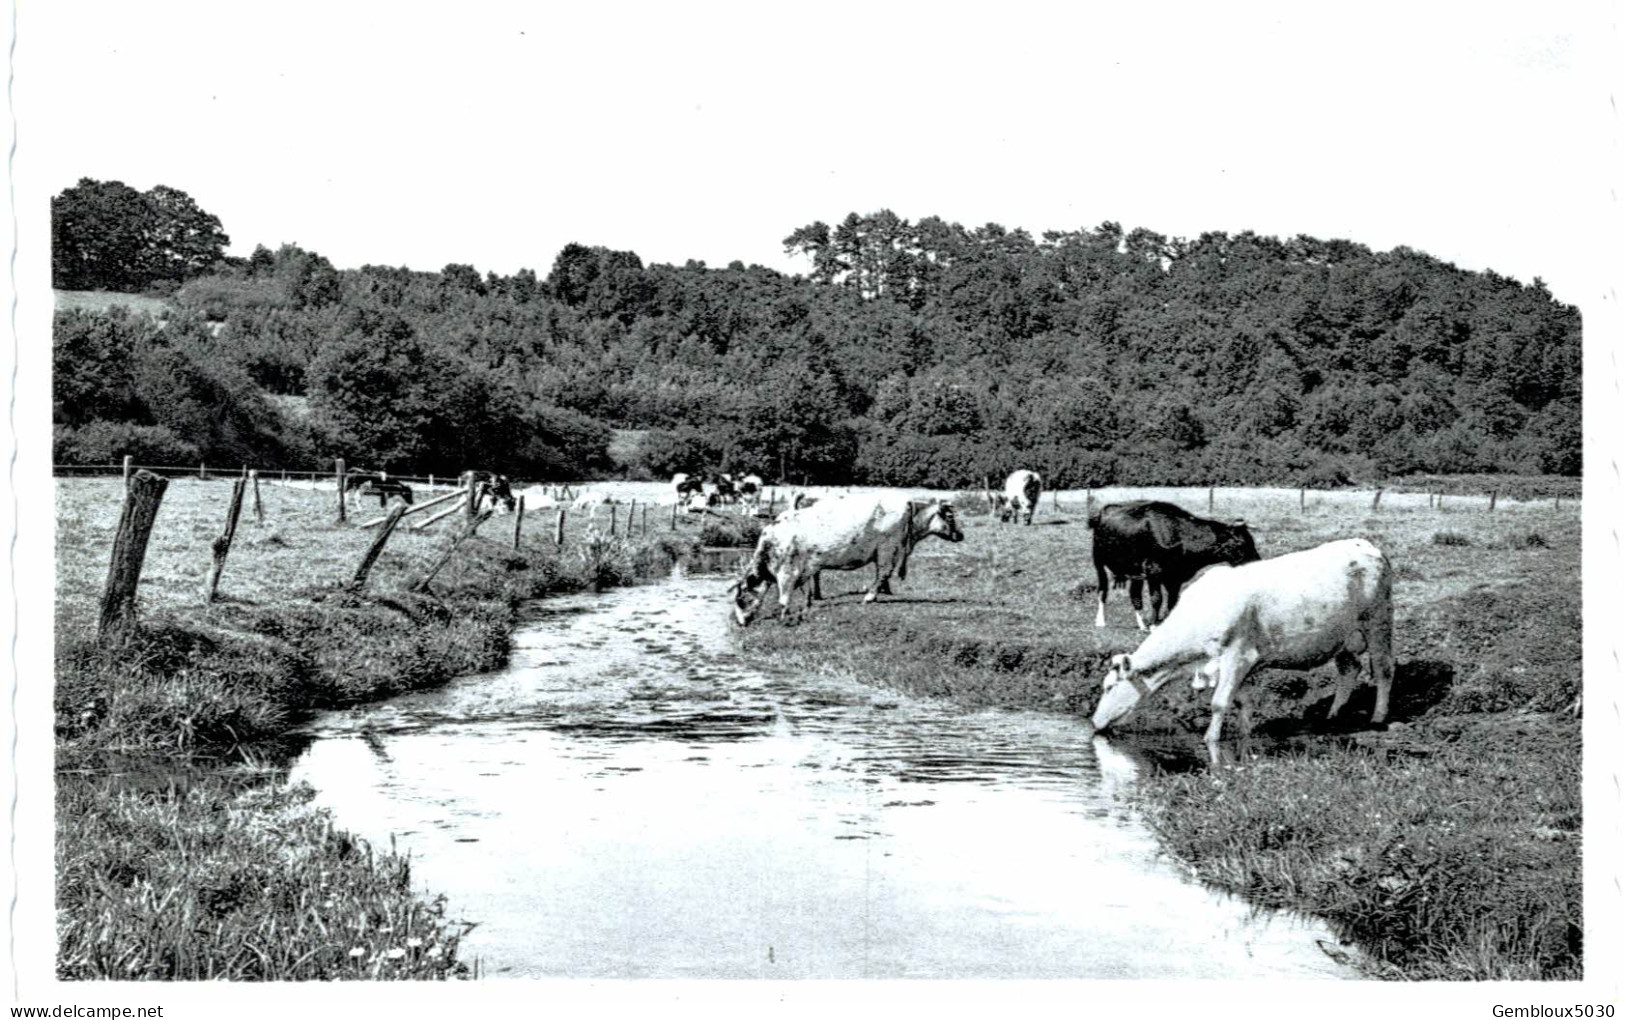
<point>376,483</point>
<point>1160,543</point>
<point>490,485</point>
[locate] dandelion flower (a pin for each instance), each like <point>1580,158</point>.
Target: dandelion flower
<point>396,953</point>
<point>413,942</point>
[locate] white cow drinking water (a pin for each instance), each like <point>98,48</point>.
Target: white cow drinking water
<point>1298,611</point>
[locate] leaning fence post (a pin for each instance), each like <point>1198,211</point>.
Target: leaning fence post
<point>1377,498</point>
<point>360,580</point>
<point>558,529</point>
<point>338,467</point>
<point>222,545</point>
<point>141,499</point>
<point>1493,494</point>
<point>259,509</point>
<point>127,459</point>
<point>469,528</point>
<point>518,519</point>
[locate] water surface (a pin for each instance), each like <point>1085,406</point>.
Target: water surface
<point>631,798</point>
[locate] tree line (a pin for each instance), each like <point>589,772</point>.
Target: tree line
<point>920,353</point>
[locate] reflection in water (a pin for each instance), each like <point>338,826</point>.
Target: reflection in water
<point>630,798</point>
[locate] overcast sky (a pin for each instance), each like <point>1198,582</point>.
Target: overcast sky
<point>494,134</point>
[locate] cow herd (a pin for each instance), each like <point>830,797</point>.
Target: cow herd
<point>1228,612</point>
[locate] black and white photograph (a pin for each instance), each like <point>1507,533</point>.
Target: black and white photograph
<point>722,507</point>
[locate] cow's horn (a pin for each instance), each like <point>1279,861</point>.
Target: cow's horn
<point>1239,522</point>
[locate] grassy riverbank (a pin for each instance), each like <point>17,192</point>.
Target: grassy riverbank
<point>179,853</point>
<point>1447,846</point>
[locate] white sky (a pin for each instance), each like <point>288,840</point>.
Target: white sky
<point>494,133</point>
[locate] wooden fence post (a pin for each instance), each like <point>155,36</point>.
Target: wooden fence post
<point>674,516</point>
<point>1377,498</point>
<point>631,512</point>
<point>1493,494</point>
<point>1088,502</point>
<point>338,467</point>
<point>1303,498</point>
<point>469,527</point>
<point>472,507</point>
<point>558,530</point>
<point>518,519</point>
<point>127,459</point>
<point>1210,499</point>
<point>222,545</point>
<point>431,481</point>
<point>141,499</point>
<point>259,508</point>
<point>202,470</point>
<point>612,516</point>
<point>1557,502</point>
<point>645,520</point>
<point>360,580</point>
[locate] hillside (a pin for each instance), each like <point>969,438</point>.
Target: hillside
<point>910,354</point>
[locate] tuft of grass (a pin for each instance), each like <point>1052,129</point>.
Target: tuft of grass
<point>731,532</point>
<point>210,880</point>
<point>1461,864</point>
<point>1451,538</point>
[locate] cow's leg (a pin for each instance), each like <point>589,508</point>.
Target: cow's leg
<point>1233,667</point>
<point>884,566</point>
<point>1380,645</point>
<point>1156,603</point>
<point>1101,588</point>
<point>1348,677</point>
<point>814,591</point>
<point>1136,587</point>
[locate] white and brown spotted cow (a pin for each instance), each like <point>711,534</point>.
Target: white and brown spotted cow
<point>843,533</point>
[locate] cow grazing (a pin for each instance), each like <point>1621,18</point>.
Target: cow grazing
<point>1298,611</point>
<point>375,483</point>
<point>592,499</point>
<point>492,486</point>
<point>1020,496</point>
<point>840,534</point>
<point>1161,544</point>
<point>684,486</point>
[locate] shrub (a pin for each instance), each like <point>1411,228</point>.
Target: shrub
<point>105,442</point>
<point>731,532</point>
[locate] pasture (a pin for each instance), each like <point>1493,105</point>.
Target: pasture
<point>1447,843</point>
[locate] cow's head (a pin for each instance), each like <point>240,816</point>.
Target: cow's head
<point>1120,695</point>
<point>1235,543</point>
<point>940,520</point>
<point>748,595</point>
<point>1120,669</point>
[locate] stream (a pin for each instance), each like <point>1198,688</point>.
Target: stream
<point>631,798</point>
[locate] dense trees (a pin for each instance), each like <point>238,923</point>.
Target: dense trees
<point>910,354</point>
<point>108,236</point>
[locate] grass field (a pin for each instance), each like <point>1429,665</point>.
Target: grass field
<point>1447,844</point>
<point>180,854</point>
